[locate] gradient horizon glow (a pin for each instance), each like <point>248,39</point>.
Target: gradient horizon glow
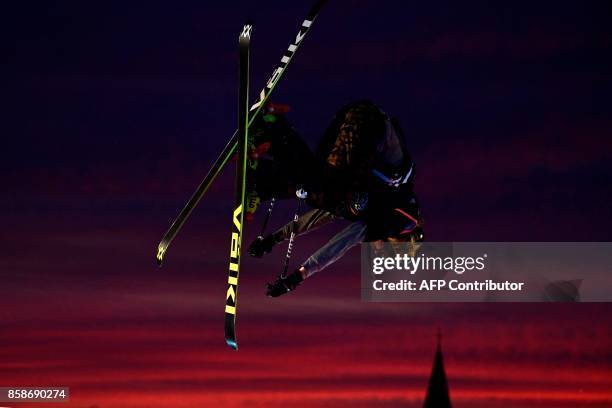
<point>113,113</point>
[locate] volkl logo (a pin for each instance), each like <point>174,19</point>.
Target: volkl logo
<point>246,31</point>
<point>286,58</point>
<point>232,280</point>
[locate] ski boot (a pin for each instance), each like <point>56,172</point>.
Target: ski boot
<point>284,285</point>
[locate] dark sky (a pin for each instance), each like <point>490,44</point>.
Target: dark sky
<point>113,112</point>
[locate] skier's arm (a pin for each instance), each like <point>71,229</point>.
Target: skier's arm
<point>335,248</point>
<point>308,221</point>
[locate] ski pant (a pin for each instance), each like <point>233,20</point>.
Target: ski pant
<point>334,249</point>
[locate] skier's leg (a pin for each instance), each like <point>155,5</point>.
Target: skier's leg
<point>307,222</point>
<point>275,137</point>
<point>271,180</point>
<point>287,163</point>
<point>279,174</point>
<point>291,152</point>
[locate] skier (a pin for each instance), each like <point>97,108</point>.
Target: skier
<point>361,172</point>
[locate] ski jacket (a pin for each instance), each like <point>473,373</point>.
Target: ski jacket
<point>363,151</point>
<point>364,148</point>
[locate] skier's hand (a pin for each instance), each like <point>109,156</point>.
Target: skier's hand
<point>261,246</point>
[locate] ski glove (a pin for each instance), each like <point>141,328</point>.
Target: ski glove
<point>261,246</point>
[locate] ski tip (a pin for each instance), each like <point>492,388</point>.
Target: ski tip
<point>247,28</point>
<point>160,255</point>
<point>232,343</point>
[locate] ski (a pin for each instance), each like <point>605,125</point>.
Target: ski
<point>230,148</point>
<point>231,296</point>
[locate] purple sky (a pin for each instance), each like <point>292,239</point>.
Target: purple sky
<point>113,113</point>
